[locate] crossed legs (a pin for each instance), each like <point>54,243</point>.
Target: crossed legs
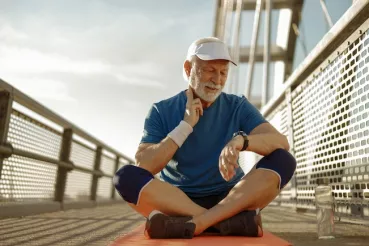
<point>256,190</point>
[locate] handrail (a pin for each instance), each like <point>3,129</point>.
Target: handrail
<point>38,108</point>
<point>345,26</point>
<point>7,150</point>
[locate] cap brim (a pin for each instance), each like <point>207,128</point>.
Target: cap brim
<point>209,58</point>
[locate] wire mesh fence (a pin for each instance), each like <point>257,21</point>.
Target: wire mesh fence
<point>40,163</point>
<point>330,125</point>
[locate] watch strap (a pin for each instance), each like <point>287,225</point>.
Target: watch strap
<point>245,139</point>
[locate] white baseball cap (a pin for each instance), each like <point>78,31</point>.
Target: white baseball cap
<point>213,50</point>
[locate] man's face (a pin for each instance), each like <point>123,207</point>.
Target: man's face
<point>208,78</point>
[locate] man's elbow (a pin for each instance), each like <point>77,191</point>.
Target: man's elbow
<point>284,143</point>
<point>137,158</point>
<point>139,161</point>
<point>144,164</point>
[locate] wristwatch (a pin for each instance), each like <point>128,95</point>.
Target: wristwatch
<point>245,139</point>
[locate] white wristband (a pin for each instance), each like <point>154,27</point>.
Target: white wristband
<point>180,133</point>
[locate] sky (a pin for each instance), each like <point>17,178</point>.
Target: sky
<point>101,64</point>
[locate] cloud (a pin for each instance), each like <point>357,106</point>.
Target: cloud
<point>40,88</point>
<point>115,57</point>
<point>99,47</point>
<point>132,103</point>
<point>9,34</point>
<point>25,61</point>
<point>139,81</point>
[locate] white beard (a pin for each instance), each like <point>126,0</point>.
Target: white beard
<point>199,88</point>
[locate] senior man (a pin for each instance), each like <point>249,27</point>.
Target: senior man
<point>194,139</point>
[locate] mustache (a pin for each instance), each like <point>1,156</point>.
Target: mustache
<point>211,85</point>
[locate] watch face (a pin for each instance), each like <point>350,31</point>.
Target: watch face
<point>239,133</point>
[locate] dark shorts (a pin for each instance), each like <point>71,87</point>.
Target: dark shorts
<point>209,201</point>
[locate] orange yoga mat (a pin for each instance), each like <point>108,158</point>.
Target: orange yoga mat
<point>136,237</point>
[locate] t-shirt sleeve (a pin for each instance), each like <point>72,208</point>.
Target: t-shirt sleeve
<point>250,116</point>
<point>153,129</point>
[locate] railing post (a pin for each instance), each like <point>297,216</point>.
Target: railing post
<point>288,94</point>
<point>266,60</point>
<point>6,101</point>
<point>115,170</point>
<point>95,178</point>
<point>61,178</point>
<point>254,43</point>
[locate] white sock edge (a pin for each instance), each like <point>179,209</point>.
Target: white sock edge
<point>153,213</point>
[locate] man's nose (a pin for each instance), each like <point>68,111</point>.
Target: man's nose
<point>216,78</point>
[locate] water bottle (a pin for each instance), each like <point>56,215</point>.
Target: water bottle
<point>325,210</point>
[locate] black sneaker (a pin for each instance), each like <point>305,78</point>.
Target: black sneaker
<point>245,223</point>
<point>164,226</point>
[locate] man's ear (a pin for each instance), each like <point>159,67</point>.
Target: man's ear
<point>187,67</point>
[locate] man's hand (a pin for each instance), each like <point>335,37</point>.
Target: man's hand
<point>193,109</point>
<point>228,158</point>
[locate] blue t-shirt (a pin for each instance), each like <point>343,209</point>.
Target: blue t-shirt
<point>194,167</point>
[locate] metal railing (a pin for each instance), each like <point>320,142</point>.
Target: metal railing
<point>40,164</point>
<point>324,109</point>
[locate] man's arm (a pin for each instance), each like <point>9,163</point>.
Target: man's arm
<point>154,157</point>
<point>264,139</point>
